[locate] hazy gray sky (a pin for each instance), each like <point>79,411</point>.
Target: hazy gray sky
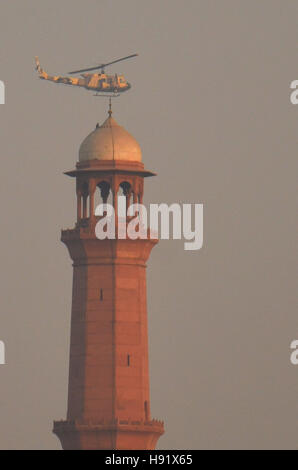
<point>210,107</point>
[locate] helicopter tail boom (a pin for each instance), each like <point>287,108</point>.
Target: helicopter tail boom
<point>45,76</point>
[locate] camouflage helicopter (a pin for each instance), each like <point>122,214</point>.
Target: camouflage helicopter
<point>98,82</point>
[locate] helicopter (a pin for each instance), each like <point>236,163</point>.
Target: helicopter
<point>98,82</point>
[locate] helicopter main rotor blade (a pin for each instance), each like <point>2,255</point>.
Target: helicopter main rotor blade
<point>87,70</point>
<point>119,60</point>
<point>101,66</point>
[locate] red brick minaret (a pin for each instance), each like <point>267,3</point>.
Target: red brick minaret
<point>108,396</point>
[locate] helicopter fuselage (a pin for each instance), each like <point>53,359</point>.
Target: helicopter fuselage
<point>103,82</point>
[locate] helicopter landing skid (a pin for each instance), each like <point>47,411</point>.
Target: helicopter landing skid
<point>114,95</point>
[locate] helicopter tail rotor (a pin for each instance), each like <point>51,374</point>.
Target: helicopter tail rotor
<point>38,67</point>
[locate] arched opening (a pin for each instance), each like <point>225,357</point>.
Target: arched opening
<point>146,409</point>
<point>103,194</point>
<point>104,188</point>
<point>85,194</point>
<point>127,192</point>
<point>126,187</point>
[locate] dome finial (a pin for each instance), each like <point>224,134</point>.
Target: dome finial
<point>110,107</point>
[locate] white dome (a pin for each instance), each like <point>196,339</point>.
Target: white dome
<point>110,142</point>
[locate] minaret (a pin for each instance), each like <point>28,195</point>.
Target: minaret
<point>108,394</point>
